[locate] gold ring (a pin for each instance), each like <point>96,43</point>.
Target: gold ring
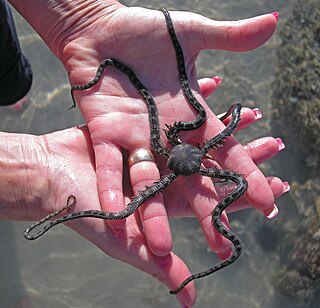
<point>140,155</point>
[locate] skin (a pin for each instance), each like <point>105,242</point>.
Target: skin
<point>83,33</point>
<point>39,172</point>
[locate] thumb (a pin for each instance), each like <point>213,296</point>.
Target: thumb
<point>241,35</point>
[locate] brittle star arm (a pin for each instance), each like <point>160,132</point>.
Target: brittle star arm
<point>155,141</point>
<point>136,202</point>
<point>216,141</point>
<point>173,130</point>
<point>242,186</point>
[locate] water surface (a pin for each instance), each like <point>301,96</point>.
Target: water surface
<point>64,270</point>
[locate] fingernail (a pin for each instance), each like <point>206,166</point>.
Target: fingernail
<point>257,113</point>
<point>286,187</point>
<point>225,255</point>
<point>272,213</point>
<point>80,126</point>
<point>117,233</point>
<point>281,145</point>
<point>217,79</point>
<point>276,15</point>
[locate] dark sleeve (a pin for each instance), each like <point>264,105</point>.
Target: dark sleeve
<point>15,68</point>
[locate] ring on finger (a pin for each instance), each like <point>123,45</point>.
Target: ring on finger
<point>140,155</point>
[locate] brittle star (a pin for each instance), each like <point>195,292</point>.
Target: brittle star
<point>184,159</point>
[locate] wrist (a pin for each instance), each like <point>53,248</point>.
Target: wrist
<point>23,177</point>
<point>58,22</point>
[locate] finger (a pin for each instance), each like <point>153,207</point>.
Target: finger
<point>263,149</point>
<point>133,249</point>
<point>234,157</point>
<point>277,186</point>
<point>242,35</point>
<point>208,85</point>
<point>259,150</point>
<point>248,117</point>
<point>202,198</point>
<point>109,181</point>
<point>172,275</point>
<point>172,271</point>
<point>153,213</point>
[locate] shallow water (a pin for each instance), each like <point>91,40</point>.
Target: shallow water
<point>65,270</point>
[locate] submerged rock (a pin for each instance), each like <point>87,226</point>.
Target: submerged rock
<point>296,89</point>
<point>300,248</point>
<point>296,118</point>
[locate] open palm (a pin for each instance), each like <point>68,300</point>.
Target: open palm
<point>81,36</point>
<point>117,116</point>
<point>70,167</point>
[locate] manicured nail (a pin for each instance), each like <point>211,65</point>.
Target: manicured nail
<point>272,213</point>
<point>286,187</point>
<point>82,126</point>
<point>217,79</point>
<point>276,15</point>
<point>257,113</point>
<point>281,145</point>
<point>225,255</point>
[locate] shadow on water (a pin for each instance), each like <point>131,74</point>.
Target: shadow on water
<point>65,271</point>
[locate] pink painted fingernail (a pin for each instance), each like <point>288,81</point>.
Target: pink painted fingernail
<point>257,113</point>
<point>286,187</point>
<point>281,145</point>
<point>276,15</point>
<point>217,80</point>
<point>272,213</point>
<point>225,255</point>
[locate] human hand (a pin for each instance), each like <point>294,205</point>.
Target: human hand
<point>69,163</point>
<point>115,126</point>
<point>71,170</point>
<point>83,45</point>
<point>84,35</point>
